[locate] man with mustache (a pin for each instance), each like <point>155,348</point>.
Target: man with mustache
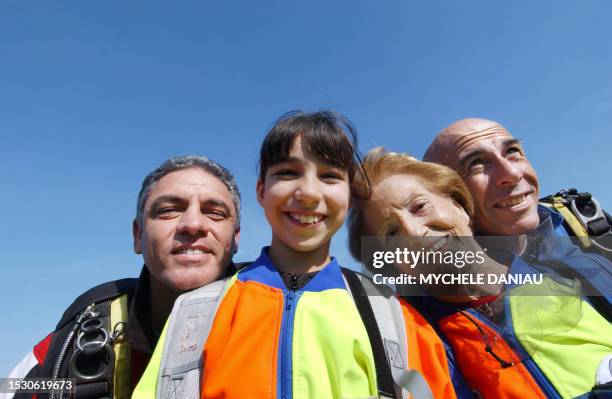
<point>187,228</point>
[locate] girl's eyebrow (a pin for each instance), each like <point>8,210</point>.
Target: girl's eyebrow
<point>291,159</point>
<point>294,159</point>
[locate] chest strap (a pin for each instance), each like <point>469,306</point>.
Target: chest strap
<point>123,355</point>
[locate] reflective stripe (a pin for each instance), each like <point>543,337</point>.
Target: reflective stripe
<point>122,375</point>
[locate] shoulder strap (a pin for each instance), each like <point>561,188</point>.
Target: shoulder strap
<point>118,323</point>
<point>188,327</point>
<point>384,378</point>
<point>383,318</point>
<point>96,294</point>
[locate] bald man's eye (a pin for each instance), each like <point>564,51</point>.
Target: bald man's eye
<point>514,153</point>
<point>475,165</point>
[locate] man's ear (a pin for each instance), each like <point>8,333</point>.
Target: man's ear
<point>261,185</point>
<point>236,240</point>
<point>137,233</point>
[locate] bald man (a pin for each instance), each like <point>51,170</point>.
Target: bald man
<point>504,185</point>
<point>495,169</point>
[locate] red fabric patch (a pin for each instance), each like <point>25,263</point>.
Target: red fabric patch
<point>482,300</point>
<point>41,349</point>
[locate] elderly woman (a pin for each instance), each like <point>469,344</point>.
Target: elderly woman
<point>510,340</point>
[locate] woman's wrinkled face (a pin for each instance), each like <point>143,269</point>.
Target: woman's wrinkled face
<point>402,205</point>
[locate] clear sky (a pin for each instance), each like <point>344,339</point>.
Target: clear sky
<point>95,94</point>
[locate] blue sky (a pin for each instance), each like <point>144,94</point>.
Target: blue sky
<point>94,95</point>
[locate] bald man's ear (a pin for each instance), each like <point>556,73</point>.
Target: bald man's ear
<point>137,235</point>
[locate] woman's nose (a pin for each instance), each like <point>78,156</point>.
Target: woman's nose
<point>413,227</point>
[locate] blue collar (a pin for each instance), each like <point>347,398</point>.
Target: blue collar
<point>264,271</point>
<point>550,223</point>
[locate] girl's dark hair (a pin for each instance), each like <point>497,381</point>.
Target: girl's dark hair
<point>326,134</point>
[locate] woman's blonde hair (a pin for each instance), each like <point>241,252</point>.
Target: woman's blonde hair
<point>379,164</point>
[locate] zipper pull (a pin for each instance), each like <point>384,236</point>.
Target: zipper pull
<point>289,300</point>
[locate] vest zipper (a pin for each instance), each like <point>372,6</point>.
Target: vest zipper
<point>286,339</point>
<point>527,361</point>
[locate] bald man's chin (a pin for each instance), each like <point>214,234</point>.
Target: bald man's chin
<point>509,221</point>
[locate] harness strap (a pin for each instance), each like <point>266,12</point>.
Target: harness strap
<point>382,316</point>
<point>384,378</point>
<point>118,324</point>
<point>188,328</point>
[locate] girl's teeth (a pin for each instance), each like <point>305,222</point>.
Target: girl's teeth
<point>307,219</point>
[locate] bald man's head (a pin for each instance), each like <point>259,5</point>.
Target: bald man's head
<point>495,169</point>
<point>454,138</point>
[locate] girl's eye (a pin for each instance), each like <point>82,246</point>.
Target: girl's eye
<point>331,176</point>
<point>285,173</point>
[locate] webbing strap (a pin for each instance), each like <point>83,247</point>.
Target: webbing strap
<point>122,375</point>
<point>572,221</point>
<point>384,378</point>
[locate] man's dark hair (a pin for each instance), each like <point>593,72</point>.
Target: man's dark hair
<point>185,162</point>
